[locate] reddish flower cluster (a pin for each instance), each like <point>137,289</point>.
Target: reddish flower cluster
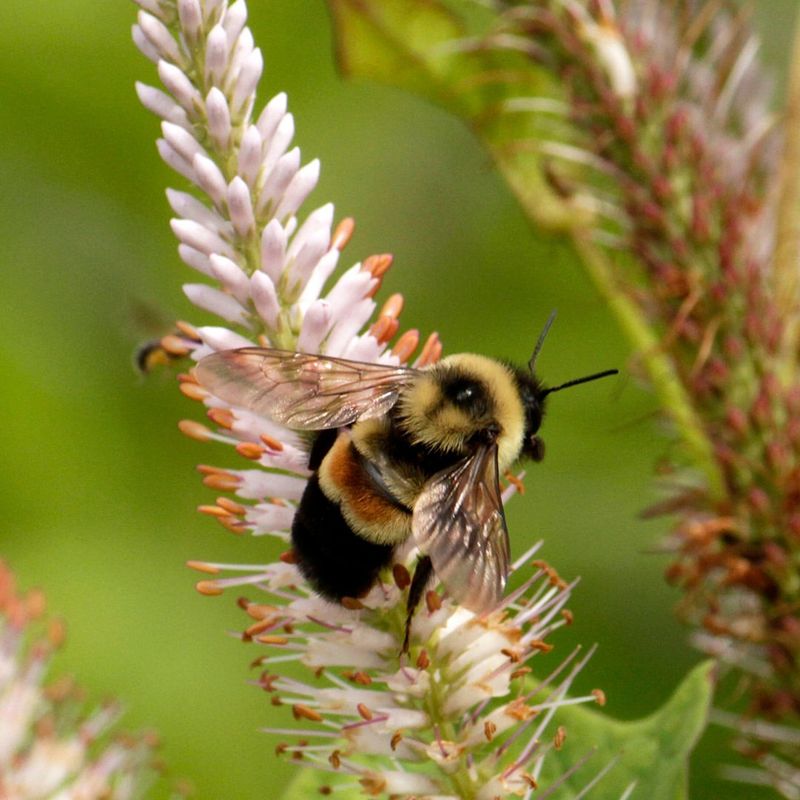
<point>668,110</point>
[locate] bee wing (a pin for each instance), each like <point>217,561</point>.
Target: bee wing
<point>300,390</point>
<point>458,521</point>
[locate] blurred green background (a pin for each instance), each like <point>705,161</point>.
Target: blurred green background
<point>99,488</point>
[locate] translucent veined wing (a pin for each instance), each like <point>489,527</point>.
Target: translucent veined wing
<point>458,521</point>
<point>300,390</point>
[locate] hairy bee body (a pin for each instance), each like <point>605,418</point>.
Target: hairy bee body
<point>397,453</point>
<point>358,506</point>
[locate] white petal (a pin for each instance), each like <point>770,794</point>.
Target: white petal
<point>191,18</point>
<point>182,141</point>
<point>278,179</point>
<point>465,697</point>
<point>403,717</point>
<point>175,160</point>
<point>240,207</point>
<point>18,705</point>
<point>239,54</point>
<point>231,276</point>
<point>316,607</point>
<point>366,740</point>
<point>219,118</point>
<point>279,575</point>
<point>345,699</point>
<point>179,86</point>
<point>211,7</point>
<point>144,45</point>
<point>316,324</point>
<point>273,250</point>
<point>349,290</point>
<point>347,327</point>
<point>195,259</point>
<point>161,104</point>
<point>257,424</point>
<point>258,484</point>
<point>406,783</point>
<point>475,734</point>
<point>364,348</point>
<point>235,20</point>
<point>278,142</point>
<point>159,35</point>
<point>153,7</point>
<point>461,640</point>
<point>271,116</point>
<point>210,180</point>
<point>247,81</point>
<point>216,55</point>
<point>268,517</point>
<point>265,298</point>
<point>325,653</point>
<point>306,260</point>
<point>289,459</point>
<point>301,186</point>
<point>372,639</point>
<point>48,764</point>
<point>250,155</point>
<point>201,238</point>
<point>410,681</point>
<point>325,267</point>
<point>317,223</point>
<point>475,652</point>
<point>215,301</point>
<point>189,207</point>
<point>218,338</point>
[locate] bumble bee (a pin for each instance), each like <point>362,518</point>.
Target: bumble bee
<point>397,452</point>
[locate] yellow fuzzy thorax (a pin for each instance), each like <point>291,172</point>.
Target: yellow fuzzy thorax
<point>428,418</point>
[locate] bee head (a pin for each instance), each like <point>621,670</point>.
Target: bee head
<point>534,394</point>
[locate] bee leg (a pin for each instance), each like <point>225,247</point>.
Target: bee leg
<point>422,574</point>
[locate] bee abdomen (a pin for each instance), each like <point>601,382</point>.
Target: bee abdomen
<point>335,561</point>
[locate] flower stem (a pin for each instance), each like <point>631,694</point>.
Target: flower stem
<point>657,363</point>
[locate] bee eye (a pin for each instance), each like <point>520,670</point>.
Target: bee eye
<point>535,448</point>
<point>467,394</point>
<point>464,395</point>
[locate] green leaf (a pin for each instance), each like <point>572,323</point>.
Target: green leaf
<point>652,752</point>
<point>421,46</point>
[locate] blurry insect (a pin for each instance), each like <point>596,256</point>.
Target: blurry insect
<point>397,452</point>
<point>166,350</point>
<point>151,355</point>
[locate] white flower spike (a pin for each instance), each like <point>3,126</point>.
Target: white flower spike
<point>459,716</point>
<point>51,744</point>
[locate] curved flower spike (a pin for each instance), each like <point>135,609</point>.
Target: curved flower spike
<point>457,719</point>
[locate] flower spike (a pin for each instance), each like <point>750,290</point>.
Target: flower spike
<point>453,717</point>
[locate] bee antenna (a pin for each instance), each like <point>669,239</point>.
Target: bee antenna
<point>540,340</point>
<point>576,381</point>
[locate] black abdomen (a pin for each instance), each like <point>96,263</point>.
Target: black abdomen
<point>334,560</point>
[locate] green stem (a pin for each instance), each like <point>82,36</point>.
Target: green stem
<point>659,367</point>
